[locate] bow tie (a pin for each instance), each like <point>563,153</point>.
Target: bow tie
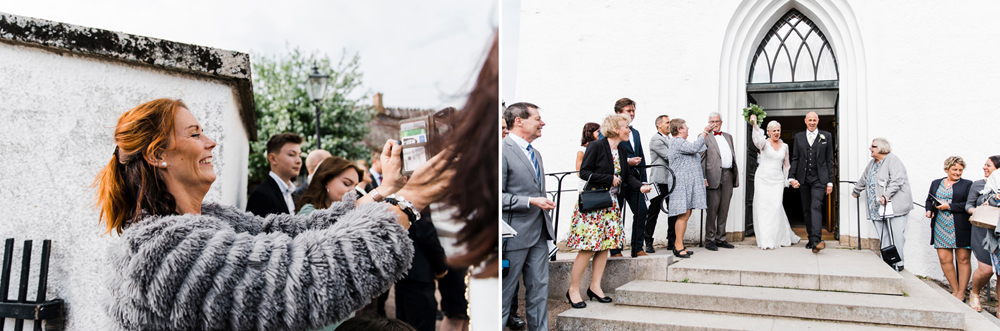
<point>718,133</point>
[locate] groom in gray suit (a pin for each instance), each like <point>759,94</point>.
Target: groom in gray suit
<point>525,209</point>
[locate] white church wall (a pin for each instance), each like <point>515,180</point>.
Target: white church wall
<point>57,117</point>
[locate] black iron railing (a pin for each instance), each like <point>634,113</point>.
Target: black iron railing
<point>22,309</point>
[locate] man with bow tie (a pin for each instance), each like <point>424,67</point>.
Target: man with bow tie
<point>721,176</point>
<point>812,173</point>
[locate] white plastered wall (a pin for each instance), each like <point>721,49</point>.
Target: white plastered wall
<point>57,116</point>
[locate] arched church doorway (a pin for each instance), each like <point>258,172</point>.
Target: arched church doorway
<point>793,72</point>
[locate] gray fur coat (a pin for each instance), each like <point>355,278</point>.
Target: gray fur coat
<point>230,270</point>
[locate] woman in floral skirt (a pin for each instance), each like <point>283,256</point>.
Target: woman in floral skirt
<point>594,232</point>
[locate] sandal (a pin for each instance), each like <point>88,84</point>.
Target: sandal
<point>974,303</point>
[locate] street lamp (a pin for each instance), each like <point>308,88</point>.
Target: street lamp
<point>316,87</point>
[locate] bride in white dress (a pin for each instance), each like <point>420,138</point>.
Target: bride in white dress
<point>770,222</point>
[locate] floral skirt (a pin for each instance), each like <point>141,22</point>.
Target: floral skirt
<point>596,230</point>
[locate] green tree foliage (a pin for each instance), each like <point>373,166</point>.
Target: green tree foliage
<point>283,105</point>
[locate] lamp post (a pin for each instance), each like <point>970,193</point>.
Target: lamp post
<point>316,87</point>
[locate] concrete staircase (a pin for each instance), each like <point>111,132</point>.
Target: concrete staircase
<point>786,289</point>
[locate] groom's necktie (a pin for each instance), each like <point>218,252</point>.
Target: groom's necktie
<point>534,162</point>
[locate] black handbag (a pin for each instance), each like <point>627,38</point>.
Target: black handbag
<point>594,199</point>
<point>889,253</point>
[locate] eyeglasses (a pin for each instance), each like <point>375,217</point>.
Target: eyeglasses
<point>719,121</point>
<point>873,146</point>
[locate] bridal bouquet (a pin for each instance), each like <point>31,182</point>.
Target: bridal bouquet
<point>754,110</point>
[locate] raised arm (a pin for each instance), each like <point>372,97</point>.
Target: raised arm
<point>759,138</point>
<point>686,147</point>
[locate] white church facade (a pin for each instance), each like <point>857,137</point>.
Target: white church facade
<point>921,74</point>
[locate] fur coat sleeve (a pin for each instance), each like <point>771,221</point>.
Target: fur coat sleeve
<point>227,269</point>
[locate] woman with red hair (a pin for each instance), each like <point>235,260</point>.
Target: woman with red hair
<point>187,264</point>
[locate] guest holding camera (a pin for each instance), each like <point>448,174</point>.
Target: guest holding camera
<point>885,180</point>
<point>950,227</point>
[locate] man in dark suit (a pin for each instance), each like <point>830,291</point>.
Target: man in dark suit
<point>274,195</point>
<point>812,172</point>
<point>636,200</point>
<point>415,301</point>
<point>525,209</point>
<point>375,171</point>
<point>721,176</point>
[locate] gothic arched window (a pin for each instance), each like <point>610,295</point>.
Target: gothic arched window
<point>794,50</point>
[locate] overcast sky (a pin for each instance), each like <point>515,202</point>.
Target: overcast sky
<point>419,54</point>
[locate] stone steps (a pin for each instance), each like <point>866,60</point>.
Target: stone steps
<point>919,307</point>
<point>601,317</point>
<point>832,269</point>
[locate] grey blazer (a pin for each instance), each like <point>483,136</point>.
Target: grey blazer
<point>519,184</point>
<point>711,162</point>
<point>658,147</point>
<point>892,182</point>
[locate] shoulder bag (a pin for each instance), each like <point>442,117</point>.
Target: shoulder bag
<point>985,216</point>
<point>594,199</point>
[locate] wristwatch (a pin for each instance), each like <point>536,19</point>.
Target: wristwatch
<point>404,205</point>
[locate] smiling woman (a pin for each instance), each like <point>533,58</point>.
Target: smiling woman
<point>182,264</point>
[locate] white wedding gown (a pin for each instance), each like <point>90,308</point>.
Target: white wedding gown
<point>770,222</point>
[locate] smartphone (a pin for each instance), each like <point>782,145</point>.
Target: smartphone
<point>419,136</point>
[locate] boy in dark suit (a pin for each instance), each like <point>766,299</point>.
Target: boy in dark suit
<point>274,195</point>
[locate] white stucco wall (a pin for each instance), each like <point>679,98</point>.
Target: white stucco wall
<point>57,116</point>
<point>922,78</point>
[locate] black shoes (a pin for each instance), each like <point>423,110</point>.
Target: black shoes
<point>649,247</point>
<point>725,244</point>
<point>514,322</point>
<point>581,304</point>
<point>711,246</point>
<point>898,267</point>
<point>592,296</point>
<point>810,245</point>
<point>677,253</point>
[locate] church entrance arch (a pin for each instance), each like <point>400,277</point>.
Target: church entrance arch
<point>793,72</point>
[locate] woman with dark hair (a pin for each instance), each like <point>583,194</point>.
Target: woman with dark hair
<point>185,264</point>
<point>589,134</point>
<point>464,175</point>
<point>333,178</point>
<point>984,269</point>
<point>950,227</point>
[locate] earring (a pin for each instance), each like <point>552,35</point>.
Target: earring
<point>164,164</point>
